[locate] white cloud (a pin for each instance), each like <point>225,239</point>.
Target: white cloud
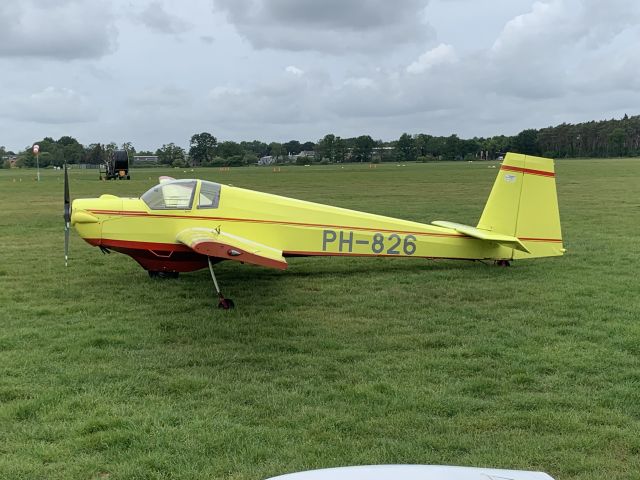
<point>436,56</point>
<point>293,70</point>
<point>561,44</point>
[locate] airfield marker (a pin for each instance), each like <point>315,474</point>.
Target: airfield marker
<point>36,152</point>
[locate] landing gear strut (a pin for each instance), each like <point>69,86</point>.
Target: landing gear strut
<point>223,303</point>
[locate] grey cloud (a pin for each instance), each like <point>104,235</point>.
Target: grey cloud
<point>53,105</point>
<point>334,26</point>
<point>532,72</point>
<point>64,30</point>
<point>286,98</point>
<point>340,14</point>
<point>155,17</point>
<point>161,97</point>
<point>554,61</point>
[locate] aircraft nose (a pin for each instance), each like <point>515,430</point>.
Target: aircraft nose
<point>79,213</point>
<point>82,216</point>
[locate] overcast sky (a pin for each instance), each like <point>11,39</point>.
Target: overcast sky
<point>154,72</point>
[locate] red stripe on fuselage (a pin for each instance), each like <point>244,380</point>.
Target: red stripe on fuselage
<point>179,247</point>
<point>542,173</point>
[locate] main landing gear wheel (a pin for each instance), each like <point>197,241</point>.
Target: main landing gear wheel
<point>162,274</point>
<point>223,303</point>
<point>503,263</point>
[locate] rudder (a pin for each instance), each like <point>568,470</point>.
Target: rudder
<point>523,203</point>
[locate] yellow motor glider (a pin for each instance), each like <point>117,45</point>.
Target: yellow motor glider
<point>186,225</point>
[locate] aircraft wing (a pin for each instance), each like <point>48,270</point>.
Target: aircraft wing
<point>506,240</point>
<point>215,243</point>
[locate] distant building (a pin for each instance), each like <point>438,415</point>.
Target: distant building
<point>306,153</point>
<point>266,160</point>
<point>12,160</point>
<point>139,160</point>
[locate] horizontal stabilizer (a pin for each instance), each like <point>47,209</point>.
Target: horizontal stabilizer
<point>506,240</point>
<point>214,243</point>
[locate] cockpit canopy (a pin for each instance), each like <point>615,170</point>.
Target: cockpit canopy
<point>179,195</point>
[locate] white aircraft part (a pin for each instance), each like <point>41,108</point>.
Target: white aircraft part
<point>413,472</point>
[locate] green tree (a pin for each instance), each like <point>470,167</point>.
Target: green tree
<point>202,148</point>
<point>95,154</point>
<point>250,158</point>
<point>526,142</point>
<point>407,149</point>
<point>363,149</point>
<point>421,144</point>
<point>617,139</point>
<point>307,146</point>
<point>452,148</point>
<point>171,154</point>
<point>434,146</point>
<point>340,149</point>
<point>258,148</point>
<point>69,150</point>
<point>229,149</point>
<point>48,147</point>
<point>326,148</point>
<point>132,153</point>
<point>292,147</point>
<point>128,146</point>
<point>276,150</point>
<point>109,148</point>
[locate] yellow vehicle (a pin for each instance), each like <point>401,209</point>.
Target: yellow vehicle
<point>186,225</point>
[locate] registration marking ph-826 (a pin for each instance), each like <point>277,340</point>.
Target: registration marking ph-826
<point>377,243</point>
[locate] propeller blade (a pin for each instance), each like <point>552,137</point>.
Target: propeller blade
<point>66,244</point>
<point>67,199</point>
<point>67,215</point>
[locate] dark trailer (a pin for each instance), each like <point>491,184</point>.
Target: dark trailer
<point>116,167</point>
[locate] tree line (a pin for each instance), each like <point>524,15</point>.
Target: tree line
<point>606,138</point>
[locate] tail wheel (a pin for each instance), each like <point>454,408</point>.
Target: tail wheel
<point>162,274</point>
<point>226,304</point>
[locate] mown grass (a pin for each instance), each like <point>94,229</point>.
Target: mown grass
<point>105,373</point>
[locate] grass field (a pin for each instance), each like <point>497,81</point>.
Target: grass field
<point>106,373</point>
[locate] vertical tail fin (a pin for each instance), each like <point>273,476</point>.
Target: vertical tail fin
<point>523,203</point>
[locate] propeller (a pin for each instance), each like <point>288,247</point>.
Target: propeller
<point>67,215</point>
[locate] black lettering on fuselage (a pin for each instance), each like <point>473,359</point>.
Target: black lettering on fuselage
<point>346,241</point>
<point>328,236</point>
